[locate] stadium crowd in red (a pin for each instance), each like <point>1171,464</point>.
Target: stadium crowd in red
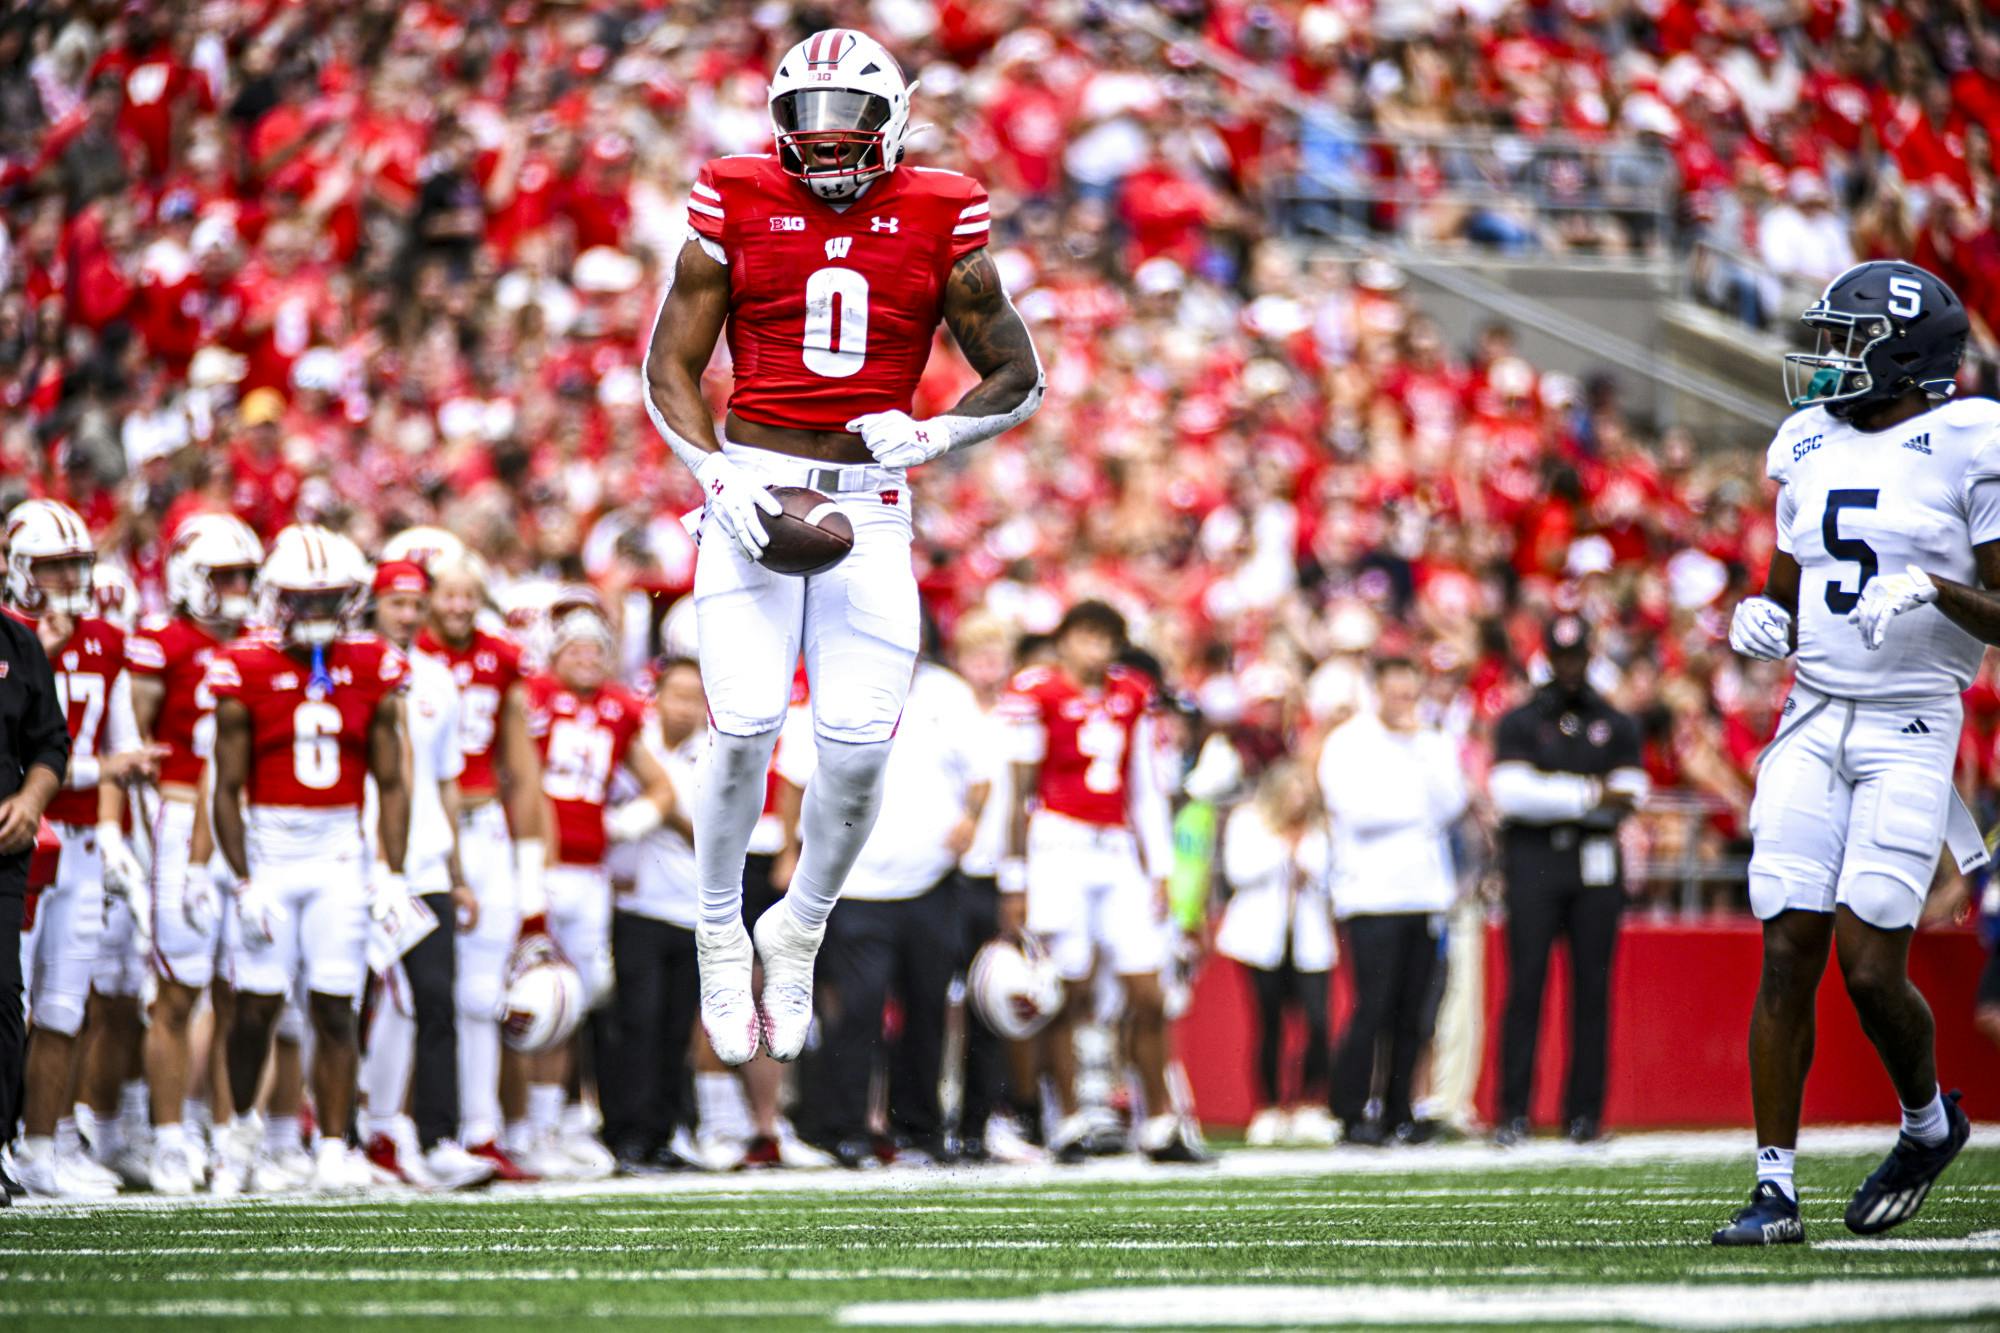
<point>379,264</point>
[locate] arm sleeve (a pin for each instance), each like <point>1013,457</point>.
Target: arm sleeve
<point>974,223</point>
<point>1527,795</point>
<point>45,735</point>
<point>1152,814</point>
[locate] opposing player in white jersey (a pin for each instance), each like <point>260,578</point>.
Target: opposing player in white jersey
<point>1888,542</point>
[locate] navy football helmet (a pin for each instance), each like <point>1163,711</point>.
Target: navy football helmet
<point>1883,328</point>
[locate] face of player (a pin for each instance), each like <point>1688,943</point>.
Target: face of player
<point>1396,694</point>
<point>65,583</point>
<point>680,703</point>
<point>582,666</point>
<point>985,666</point>
<point>312,619</point>
<point>455,605</point>
<point>1570,671</point>
<point>399,615</point>
<point>232,586</point>
<point>1086,652</point>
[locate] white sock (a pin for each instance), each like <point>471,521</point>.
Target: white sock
<point>545,1107</point>
<point>385,1069</point>
<point>282,1133</point>
<point>478,1080</point>
<point>729,799</point>
<point>1775,1165</point>
<point>133,1112</point>
<point>170,1138</point>
<point>520,1137</point>
<point>841,802</point>
<point>1928,1125</point>
<point>69,1140</point>
<point>194,1111</point>
<point>105,1138</point>
<point>722,1106</point>
<point>34,1146</point>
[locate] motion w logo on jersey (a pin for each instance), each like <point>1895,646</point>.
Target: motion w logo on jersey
<point>838,247</point>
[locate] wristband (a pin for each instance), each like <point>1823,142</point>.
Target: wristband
<point>1013,875</point>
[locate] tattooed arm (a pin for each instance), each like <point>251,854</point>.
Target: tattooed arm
<point>990,333</point>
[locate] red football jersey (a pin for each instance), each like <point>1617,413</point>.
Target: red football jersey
<point>581,741</point>
<point>176,651</point>
<point>308,747</point>
<point>1086,738</point>
<point>485,669</point>
<point>86,667</point>
<point>831,313</point>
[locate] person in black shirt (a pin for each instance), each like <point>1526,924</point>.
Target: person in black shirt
<point>34,758</point>
<point>1566,772</point>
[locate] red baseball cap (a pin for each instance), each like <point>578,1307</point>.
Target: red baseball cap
<point>401,576</point>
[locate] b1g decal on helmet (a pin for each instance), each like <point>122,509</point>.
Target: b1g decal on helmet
<point>1881,329</point>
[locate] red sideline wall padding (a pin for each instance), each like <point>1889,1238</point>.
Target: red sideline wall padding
<point>1680,1018</point>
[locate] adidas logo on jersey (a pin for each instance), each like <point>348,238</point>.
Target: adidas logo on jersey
<point>1917,728</point>
<point>1920,443</point>
<point>838,247</point>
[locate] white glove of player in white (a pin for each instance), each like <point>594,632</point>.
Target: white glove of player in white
<point>898,439</point>
<point>201,902</point>
<point>1762,629</point>
<point>123,874</point>
<point>734,497</point>
<point>632,820</point>
<point>260,913</point>
<point>1888,597</point>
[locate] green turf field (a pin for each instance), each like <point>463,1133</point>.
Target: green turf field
<point>1615,1236</point>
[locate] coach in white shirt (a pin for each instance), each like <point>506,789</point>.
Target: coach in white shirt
<point>895,930</point>
<point>1392,789</point>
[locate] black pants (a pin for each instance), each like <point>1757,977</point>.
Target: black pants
<point>873,950</point>
<point>985,1050</point>
<point>1536,914</point>
<point>13,1011</point>
<point>1394,956</point>
<point>646,1084</point>
<point>1275,988</point>
<point>432,967</point>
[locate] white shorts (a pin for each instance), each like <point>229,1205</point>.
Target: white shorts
<point>1088,895</point>
<point>580,922</point>
<point>59,956</point>
<point>181,953</point>
<point>486,855</point>
<point>323,939</point>
<point>1850,789</point>
<point>857,623</point>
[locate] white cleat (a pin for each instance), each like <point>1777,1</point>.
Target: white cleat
<point>728,1011</point>
<point>47,1172</point>
<point>451,1167</point>
<point>283,1170</point>
<point>716,1152</point>
<point>238,1144</point>
<point>339,1170</point>
<point>788,952</point>
<point>545,1157</point>
<point>798,1155</point>
<point>1313,1127</point>
<point>134,1165</point>
<point>100,1181</point>
<point>590,1160</point>
<point>172,1171</point>
<point>1268,1128</point>
<point>1008,1145</point>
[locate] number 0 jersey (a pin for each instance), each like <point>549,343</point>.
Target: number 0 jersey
<point>176,652</point>
<point>309,744</point>
<point>581,740</point>
<point>485,669</point>
<point>832,311</point>
<point>1858,505</point>
<point>1083,739</point>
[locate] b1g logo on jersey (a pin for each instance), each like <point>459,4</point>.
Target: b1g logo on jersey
<point>788,224</point>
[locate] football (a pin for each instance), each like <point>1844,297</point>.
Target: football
<point>811,536</point>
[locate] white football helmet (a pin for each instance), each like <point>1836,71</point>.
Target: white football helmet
<point>1014,988</point>
<point>315,582</point>
<point>545,1000</point>
<point>46,538</point>
<point>115,596</point>
<point>841,111</point>
<point>424,547</point>
<point>208,545</point>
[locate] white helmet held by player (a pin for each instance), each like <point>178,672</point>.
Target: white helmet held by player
<point>206,547</point>
<point>314,582</point>
<point>115,596</point>
<point>841,111</point>
<point>1014,988</point>
<point>424,547</point>
<point>47,542</point>
<point>545,1000</point>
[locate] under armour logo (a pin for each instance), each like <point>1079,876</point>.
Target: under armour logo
<point>884,224</point>
<point>838,247</point>
<point>715,487</point>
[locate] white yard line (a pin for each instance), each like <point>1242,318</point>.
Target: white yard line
<point>1719,1306</point>
<point>1238,1164</point>
<point>458,1276</point>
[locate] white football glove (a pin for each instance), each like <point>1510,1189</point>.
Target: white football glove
<point>1888,597</point>
<point>201,901</point>
<point>124,876</point>
<point>632,820</point>
<point>898,439</point>
<point>260,913</point>
<point>734,497</point>
<point>1762,629</point>
<point>388,891</point>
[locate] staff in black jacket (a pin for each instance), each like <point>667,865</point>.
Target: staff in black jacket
<point>1566,772</point>
<point>34,756</point>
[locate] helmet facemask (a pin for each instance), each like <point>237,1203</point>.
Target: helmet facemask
<point>74,585</point>
<point>1836,371</point>
<point>832,138</point>
<point>232,604</point>
<point>312,617</point>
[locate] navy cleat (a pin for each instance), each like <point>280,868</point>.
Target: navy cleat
<point>1771,1219</point>
<point>1892,1195</point>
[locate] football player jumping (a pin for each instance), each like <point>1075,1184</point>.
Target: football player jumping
<point>1882,583</point>
<point>832,264</point>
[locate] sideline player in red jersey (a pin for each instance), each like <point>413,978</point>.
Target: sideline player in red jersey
<point>49,561</point>
<point>211,582</point>
<point>305,713</point>
<point>585,724</point>
<point>832,264</point>
<point>500,835</point>
<point>1086,870</point>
